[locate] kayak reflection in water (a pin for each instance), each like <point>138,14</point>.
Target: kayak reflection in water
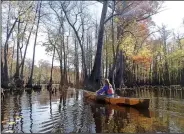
<point>107,89</point>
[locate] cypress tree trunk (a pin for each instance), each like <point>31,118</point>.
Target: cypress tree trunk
<point>32,69</point>
<point>119,80</point>
<point>106,57</point>
<point>5,68</point>
<point>96,72</point>
<point>65,71</point>
<point>76,64</point>
<point>16,76</point>
<point>52,67</point>
<point>23,59</point>
<point>11,60</point>
<point>2,70</point>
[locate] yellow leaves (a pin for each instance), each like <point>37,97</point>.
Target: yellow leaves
<point>145,52</point>
<point>144,56</point>
<point>182,42</point>
<point>116,19</point>
<point>18,117</point>
<point>20,17</point>
<point>128,46</point>
<point>177,54</point>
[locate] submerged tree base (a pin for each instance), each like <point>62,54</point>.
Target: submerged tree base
<point>4,85</point>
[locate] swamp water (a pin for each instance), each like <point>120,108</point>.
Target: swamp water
<point>69,112</point>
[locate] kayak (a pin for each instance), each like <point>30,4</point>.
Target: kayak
<point>118,100</point>
<point>131,110</point>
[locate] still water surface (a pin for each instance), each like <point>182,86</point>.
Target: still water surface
<point>43,112</point>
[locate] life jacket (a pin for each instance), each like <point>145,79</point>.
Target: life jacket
<point>110,91</point>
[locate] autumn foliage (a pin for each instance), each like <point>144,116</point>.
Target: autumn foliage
<point>146,61</point>
<point>144,57</point>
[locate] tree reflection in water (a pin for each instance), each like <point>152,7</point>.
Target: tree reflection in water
<point>68,111</point>
<point>30,110</point>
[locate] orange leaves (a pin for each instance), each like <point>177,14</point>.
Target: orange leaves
<point>137,58</point>
<point>143,26</point>
<point>141,59</point>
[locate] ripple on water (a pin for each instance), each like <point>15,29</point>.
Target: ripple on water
<point>42,113</point>
<point>46,129</point>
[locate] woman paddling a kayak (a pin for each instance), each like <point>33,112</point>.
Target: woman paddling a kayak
<point>107,89</point>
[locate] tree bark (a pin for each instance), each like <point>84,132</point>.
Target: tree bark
<point>112,71</point>
<point>6,78</point>
<point>12,58</point>
<point>87,52</point>
<point>2,71</point>
<point>96,72</point>
<point>67,62</point>
<point>80,42</point>
<point>61,59</point>
<point>91,54</point>
<point>76,65</point>
<point>16,76</point>
<point>52,67</point>
<point>32,69</point>
<point>119,80</point>
<point>25,51</point>
<point>106,58</point>
<point>64,52</point>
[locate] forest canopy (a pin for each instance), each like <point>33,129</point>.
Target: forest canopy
<point>122,44</point>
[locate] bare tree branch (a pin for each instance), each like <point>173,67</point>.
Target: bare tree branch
<point>117,13</point>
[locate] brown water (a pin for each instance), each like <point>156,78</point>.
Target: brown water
<point>42,112</point>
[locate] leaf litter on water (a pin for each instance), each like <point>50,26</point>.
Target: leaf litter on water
<point>3,122</point>
<point>11,123</point>
<point>9,131</point>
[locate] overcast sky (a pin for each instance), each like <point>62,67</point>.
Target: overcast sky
<point>172,17</point>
